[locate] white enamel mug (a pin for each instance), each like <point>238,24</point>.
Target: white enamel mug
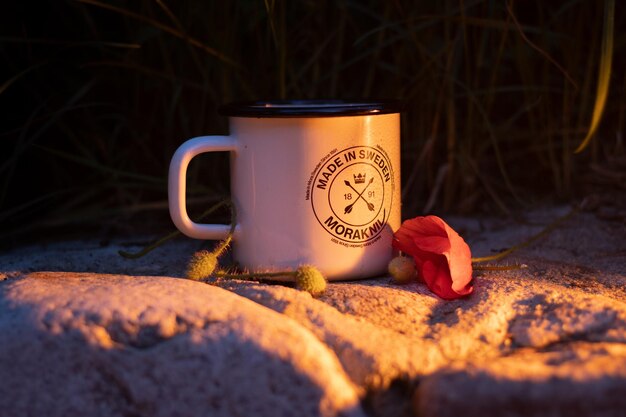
<point>313,182</point>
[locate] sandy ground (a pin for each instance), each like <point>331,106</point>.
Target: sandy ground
<point>547,339</point>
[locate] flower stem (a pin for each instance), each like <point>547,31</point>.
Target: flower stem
<point>160,242</point>
<point>499,267</point>
<point>223,245</point>
<point>549,228</point>
<point>252,275</point>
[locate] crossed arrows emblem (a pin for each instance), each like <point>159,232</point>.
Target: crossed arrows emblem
<point>370,206</point>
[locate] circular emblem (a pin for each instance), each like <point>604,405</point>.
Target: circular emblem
<point>351,193</point>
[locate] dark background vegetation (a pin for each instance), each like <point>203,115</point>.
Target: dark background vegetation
<point>95,98</point>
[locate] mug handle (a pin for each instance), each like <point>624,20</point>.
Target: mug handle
<point>177,185</point>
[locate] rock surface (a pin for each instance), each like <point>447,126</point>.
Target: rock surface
<point>109,345</point>
<point>548,339</point>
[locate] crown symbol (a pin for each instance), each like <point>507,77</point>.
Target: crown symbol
<point>359,179</point>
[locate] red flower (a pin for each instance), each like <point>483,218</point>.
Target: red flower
<point>442,257</point>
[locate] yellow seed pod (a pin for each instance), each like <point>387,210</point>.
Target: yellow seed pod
<point>310,279</point>
<point>402,269</point>
<point>201,265</point>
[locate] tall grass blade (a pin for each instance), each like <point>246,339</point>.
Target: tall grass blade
<point>16,77</point>
<point>103,168</point>
<point>165,28</point>
<point>538,49</point>
<point>604,73</point>
<point>69,43</point>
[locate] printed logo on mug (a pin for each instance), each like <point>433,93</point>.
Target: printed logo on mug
<point>313,182</point>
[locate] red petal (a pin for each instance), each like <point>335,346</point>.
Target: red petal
<point>403,240</point>
<point>437,277</point>
<point>433,244</point>
<point>460,262</point>
<point>441,255</point>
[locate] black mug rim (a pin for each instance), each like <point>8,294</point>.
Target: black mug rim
<point>311,108</point>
